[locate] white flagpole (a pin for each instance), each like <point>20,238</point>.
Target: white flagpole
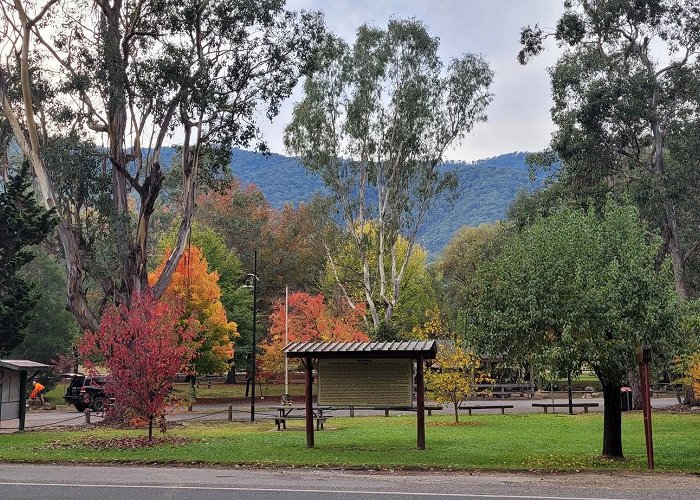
<point>286,338</point>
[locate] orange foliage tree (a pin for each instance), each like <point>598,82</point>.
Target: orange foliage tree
<point>200,292</point>
<point>310,319</point>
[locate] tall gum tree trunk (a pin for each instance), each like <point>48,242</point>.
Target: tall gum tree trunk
<point>634,382</point>
<point>77,302</point>
<point>116,119</point>
<point>612,422</point>
<point>674,248</point>
<point>76,295</point>
<point>670,221</point>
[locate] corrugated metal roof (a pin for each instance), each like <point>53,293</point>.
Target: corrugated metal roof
<point>410,348</point>
<point>22,364</point>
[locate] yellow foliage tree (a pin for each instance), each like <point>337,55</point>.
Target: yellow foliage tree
<point>456,377</point>
<point>199,290</point>
<point>695,374</point>
<point>434,326</point>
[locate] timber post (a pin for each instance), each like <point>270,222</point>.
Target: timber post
<point>420,402</point>
<point>309,403</point>
<point>22,399</point>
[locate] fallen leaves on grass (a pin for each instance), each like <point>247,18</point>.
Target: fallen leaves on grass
<point>555,461</point>
<point>455,424</point>
<point>121,443</point>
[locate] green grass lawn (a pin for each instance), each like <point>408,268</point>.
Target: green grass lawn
<point>510,442</point>
<point>55,395</point>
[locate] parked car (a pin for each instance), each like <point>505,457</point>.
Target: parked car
<point>85,392</point>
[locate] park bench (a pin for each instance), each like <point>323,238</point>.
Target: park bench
<point>506,390</point>
<point>386,409</point>
<point>546,406</point>
<point>667,389</point>
<point>471,408</point>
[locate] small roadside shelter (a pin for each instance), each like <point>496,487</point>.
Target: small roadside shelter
<point>14,374</point>
<point>375,372</point>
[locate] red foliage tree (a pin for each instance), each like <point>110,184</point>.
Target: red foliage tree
<point>143,347</point>
<point>310,319</point>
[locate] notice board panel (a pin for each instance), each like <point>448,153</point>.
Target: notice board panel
<point>365,382</point>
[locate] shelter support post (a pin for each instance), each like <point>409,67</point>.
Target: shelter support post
<point>309,403</point>
<point>22,398</point>
<point>420,402</point>
<point>571,402</point>
<point>646,410</point>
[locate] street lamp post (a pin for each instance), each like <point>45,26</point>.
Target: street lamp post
<point>254,278</point>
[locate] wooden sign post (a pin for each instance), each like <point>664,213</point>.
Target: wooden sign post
<point>370,374</point>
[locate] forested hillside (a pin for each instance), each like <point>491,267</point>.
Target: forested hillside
<point>486,187</point>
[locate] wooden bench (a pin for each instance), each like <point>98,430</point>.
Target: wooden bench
<point>471,408</point>
<point>667,389</point>
<point>428,408</point>
<point>506,390</point>
<point>546,406</point>
<point>281,422</point>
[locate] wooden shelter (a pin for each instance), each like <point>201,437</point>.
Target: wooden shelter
<point>417,351</point>
<point>14,374</point>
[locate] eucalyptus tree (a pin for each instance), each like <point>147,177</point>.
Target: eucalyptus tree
<point>133,73</point>
<point>374,123</point>
<point>626,90</point>
<point>343,277</point>
<point>578,287</point>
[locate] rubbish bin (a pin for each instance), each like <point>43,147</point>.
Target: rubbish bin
<point>626,399</point>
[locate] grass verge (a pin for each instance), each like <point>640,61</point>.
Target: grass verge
<point>491,442</point>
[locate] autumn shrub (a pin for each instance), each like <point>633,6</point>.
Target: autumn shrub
<point>143,346</point>
<point>694,374</point>
<point>455,376</point>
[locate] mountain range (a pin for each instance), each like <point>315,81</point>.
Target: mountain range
<point>486,188</point>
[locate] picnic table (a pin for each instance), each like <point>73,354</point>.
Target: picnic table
<point>285,413</point>
<point>546,406</point>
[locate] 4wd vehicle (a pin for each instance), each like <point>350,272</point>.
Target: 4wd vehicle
<point>85,392</point>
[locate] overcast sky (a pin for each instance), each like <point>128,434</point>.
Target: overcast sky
<point>519,114</point>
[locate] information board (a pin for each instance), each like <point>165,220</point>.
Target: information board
<point>365,382</point>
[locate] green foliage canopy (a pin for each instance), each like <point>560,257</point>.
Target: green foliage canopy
<point>581,288</point>
<point>626,102</point>
<point>24,223</point>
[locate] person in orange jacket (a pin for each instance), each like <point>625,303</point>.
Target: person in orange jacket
<point>39,391</point>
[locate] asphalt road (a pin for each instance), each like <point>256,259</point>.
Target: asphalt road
<point>141,483</point>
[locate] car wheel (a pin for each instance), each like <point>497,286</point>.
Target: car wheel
<point>98,404</point>
<point>80,408</point>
